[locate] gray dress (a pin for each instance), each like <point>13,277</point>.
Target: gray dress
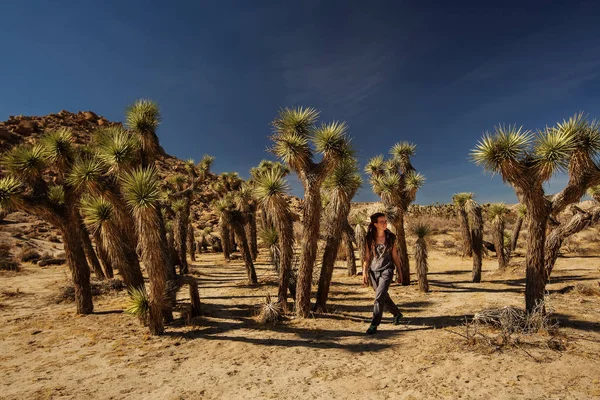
<point>381,274</point>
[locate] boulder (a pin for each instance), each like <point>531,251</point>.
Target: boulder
<point>26,128</point>
<point>90,116</point>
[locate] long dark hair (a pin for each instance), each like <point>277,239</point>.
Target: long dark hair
<point>390,238</point>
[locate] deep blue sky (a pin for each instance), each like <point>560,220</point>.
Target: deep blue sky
<point>436,73</point>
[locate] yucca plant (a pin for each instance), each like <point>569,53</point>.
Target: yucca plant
<point>139,304</point>
<point>497,215</point>
<point>421,230</point>
<point>521,214</point>
<point>234,218</point>
<point>270,189</point>
<point>396,182</point>
<point>142,194</point>
<point>24,188</point>
<point>246,203</point>
<point>475,212</point>
<point>99,214</point>
<point>296,139</point>
<point>143,118</point>
<point>340,186</point>
<point>460,200</point>
<point>526,161</point>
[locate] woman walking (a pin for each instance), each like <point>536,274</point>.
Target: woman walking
<point>381,256</point>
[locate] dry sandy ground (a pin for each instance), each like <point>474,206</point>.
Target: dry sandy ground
<point>47,352</point>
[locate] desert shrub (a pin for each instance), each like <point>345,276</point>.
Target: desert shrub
<point>269,312</point>
<point>29,254</point>
<point>67,292</point>
<point>7,263</point>
<point>54,239</point>
<point>583,289</point>
<point>448,244</point>
<point>139,304</point>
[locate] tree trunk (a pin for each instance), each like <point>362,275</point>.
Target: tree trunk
<point>285,232</point>
<point>103,255</point>
<point>80,270</point>
<point>240,234</point>
<point>422,267</point>
<point>402,249</point>
<point>477,242</point>
<point>515,235</point>
<point>360,234</point>
<point>122,256</point>
<point>351,259</point>
<point>332,245</point>
<point>191,242</point>
<point>581,220</point>
<point>498,227</point>
<point>180,235</point>
<point>535,280</point>
<point>156,260</point>
<point>251,232</point>
<point>90,253</point>
<point>225,239</point>
<point>466,234</point>
<point>310,236</point>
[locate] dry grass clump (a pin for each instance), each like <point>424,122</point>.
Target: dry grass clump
<point>7,263</point>
<point>29,254</point>
<point>583,289</point>
<point>110,286</point>
<point>269,312</point>
<point>511,326</point>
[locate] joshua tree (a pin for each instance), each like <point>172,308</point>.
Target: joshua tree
<point>142,195</point>
<point>359,233</point>
<point>97,175</point>
<point>295,130</point>
<point>103,256</point>
<point>255,172</point>
<point>496,214</point>
<point>421,230</point>
<point>234,219</point>
<point>474,210</point>
<point>246,203</point>
<point>397,183</point>
<point>100,216</point>
<point>143,117</point>
<point>526,163</point>
<point>270,188</point>
<point>521,214</point>
<point>460,200</point>
<point>24,188</point>
<point>340,186</point>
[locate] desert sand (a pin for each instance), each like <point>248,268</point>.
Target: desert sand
<point>48,352</point>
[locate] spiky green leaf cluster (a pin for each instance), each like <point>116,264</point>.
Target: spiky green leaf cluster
<point>522,210</point>
<point>96,211</point>
<point>420,229</point>
<point>344,177</point>
<point>292,148</point>
<point>139,303</point>
<point>270,183</point>
<point>332,139</point>
<point>141,189</point>
<point>143,116</point>
<point>497,211</point>
<point>86,172</point>
<point>178,205</point>
<point>403,150</point>
<point>10,190</point>
<point>375,166</point>
<point>56,195</point>
<point>507,144</point>
<point>298,122</point>
<point>269,236</point>
<point>553,149</point>
<point>460,199</point>
<point>25,161</point>
<point>117,148</point>
<point>414,181</point>
<point>387,184</point>
<point>58,146</point>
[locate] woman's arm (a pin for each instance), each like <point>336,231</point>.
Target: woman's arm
<point>396,258</point>
<point>366,263</point>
